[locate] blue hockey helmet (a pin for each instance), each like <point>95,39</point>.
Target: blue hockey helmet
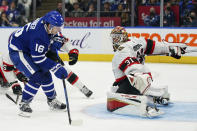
<point>54,18</point>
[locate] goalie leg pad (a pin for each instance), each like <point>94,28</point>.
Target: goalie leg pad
<point>158,92</point>
<point>159,95</point>
<point>126,104</point>
<point>130,105</point>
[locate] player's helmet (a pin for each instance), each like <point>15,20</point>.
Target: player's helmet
<point>118,36</point>
<point>54,18</point>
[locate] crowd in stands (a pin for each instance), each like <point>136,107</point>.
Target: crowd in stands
<point>122,8</point>
<point>17,12</point>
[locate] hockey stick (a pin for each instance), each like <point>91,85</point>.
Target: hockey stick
<point>9,97</point>
<point>17,98</point>
<point>71,122</point>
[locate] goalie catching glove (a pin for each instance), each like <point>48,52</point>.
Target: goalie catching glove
<point>73,56</point>
<point>175,51</point>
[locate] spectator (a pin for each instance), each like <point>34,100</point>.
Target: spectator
<point>174,2</point>
<point>152,2</point>
<point>192,20</point>
<point>94,2</point>
<point>84,4</point>
<point>169,17</point>
<point>77,12</point>
<point>73,1</point>
<point>91,11</point>
<point>14,16</point>
<point>125,21</point>
<point>4,20</point>
<point>4,6</point>
<point>106,10</point>
<point>59,7</point>
<point>123,15</point>
<point>153,19</point>
<point>119,10</point>
<point>26,4</point>
<point>185,7</point>
<point>38,3</point>
<point>68,6</point>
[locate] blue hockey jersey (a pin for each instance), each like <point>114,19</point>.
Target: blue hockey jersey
<point>34,40</point>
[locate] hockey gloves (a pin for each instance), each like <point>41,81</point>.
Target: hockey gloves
<point>59,71</point>
<point>54,56</point>
<point>16,88</point>
<point>73,56</point>
<point>175,51</point>
<point>21,77</point>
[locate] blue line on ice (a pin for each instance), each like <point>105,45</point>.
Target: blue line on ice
<point>177,111</point>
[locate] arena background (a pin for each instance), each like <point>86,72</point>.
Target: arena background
<point>94,44</point>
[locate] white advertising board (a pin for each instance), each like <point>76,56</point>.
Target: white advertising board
<point>97,40</point>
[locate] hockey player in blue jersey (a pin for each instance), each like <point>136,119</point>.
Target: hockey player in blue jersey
<point>28,48</point>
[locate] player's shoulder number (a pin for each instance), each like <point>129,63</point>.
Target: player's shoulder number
<point>20,31</point>
<point>28,25</point>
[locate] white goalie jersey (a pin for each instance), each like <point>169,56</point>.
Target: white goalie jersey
<point>130,56</point>
<point>129,59</point>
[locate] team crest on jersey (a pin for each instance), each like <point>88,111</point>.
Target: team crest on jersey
<point>136,47</point>
<point>120,48</point>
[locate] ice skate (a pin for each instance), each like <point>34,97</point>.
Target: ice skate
<point>152,112</point>
<point>86,91</point>
<point>25,109</point>
<point>54,104</point>
<point>161,100</point>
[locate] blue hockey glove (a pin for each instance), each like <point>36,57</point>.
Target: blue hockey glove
<point>59,71</point>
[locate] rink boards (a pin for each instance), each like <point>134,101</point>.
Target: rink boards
<point>94,44</point>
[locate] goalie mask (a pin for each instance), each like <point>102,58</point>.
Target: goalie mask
<point>118,36</point>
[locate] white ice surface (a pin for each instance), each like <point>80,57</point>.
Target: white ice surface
<point>181,80</point>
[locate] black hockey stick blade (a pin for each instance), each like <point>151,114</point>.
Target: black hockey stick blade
<point>9,97</point>
<point>78,122</point>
